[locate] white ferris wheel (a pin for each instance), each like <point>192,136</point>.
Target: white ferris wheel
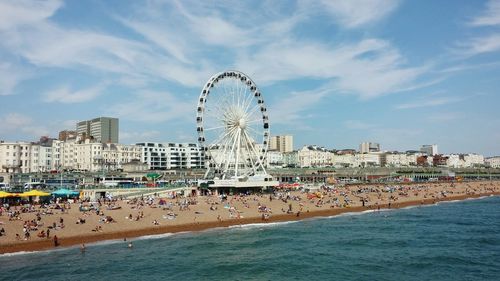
<point>233,127</point>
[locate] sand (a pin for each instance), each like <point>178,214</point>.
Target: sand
<point>205,212</point>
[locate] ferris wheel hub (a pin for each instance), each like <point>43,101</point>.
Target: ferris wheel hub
<point>242,123</point>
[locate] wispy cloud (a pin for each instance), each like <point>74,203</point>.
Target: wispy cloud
<point>483,44</point>
<point>380,65</point>
<point>430,101</point>
<point>14,13</point>
<point>16,122</point>
<point>479,45</point>
<point>444,116</point>
<point>489,17</point>
<point>155,107</point>
<point>10,77</point>
<point>65,94</point>
<point>134,137</point>
<point>358,13</point>
<point>359,125</point>
<point>293,110</point>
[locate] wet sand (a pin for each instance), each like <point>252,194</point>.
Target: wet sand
<point>206,212</point>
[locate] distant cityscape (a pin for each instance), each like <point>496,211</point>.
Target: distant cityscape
<point>94,146</point>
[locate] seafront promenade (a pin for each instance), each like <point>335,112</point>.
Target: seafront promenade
<point>33,227</point>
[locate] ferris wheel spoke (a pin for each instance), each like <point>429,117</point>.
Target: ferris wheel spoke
<point>249,154</point>
<point>257,154</point>
<point>248,99</point>
<point>214,128</point>
<point>252,111</point>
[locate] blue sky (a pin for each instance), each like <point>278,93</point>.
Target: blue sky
<point>333,73</point>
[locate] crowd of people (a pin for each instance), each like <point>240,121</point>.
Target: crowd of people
<point>31,221</point>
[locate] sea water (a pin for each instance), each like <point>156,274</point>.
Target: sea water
<point>446,241</point>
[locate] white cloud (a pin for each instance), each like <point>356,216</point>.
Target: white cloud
<point>358,125</point>
<point>15,13</point>
<point>14,121</point>
<point>489,17</point>
<point>479,45</point>
<point>10,76</point>
<point>430,101</point>
<point>369,68</point>
<point>20,123</point>
<point>155,107</point>
<point>134,137</point>
<point>357,13</point>
<point>444,117</point>
<point>293,110</point>
<point>164,38</point>
<point>65,95</point>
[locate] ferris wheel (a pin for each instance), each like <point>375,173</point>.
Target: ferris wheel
<point>233,127</point>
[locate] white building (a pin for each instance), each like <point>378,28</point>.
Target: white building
<point>493,162</point>
<point>367,147</point>
<point>372,159</point>
<point>429,149</point>
<point>15,157</point>
<point>342,160</point>
<point>465,160</point>
<point>474,160</point>
<point>401,159</point>
<point>274,159</point>
<point>314,156</point>
<point>291,159</point>
<point>165,156</point>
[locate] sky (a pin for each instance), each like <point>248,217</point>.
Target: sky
<point>332,73</point>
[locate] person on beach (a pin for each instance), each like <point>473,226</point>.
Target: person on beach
<point>130,245</point>
<point>82,248</point>
<point>56,241</point>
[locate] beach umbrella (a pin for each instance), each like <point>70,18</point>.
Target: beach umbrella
<point>65,192</point>
<point>4,194</point>
<point>33,193</point>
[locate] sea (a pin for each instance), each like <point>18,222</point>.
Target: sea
<point>447,241</point>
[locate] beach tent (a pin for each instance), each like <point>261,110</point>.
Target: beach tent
<point>33,193</point>
<point>65,192</point>
<point>4,194</point>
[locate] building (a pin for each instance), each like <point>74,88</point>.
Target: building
<point>282,144</point>
<point>465,161</point>
<point>274,159</point>
<point>342,159</point>
<point>367,147</point>
<point>67,135</point>
<point>314,156</point>
<point>429,149</point>
<point>15,157</point>
<point>291,159</point>
<point>166,156</point>
<point>371,159</point>
<point>396,159</point>
<point>493,162</point>
<point>101,129</point>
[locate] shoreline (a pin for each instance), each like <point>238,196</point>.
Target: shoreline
<point>41,245</point>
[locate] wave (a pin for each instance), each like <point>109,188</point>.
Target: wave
<point>257,225</point>
<point>159,236</point>
<point>20,253</point>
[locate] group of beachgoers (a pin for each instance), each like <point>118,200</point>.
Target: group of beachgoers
<point>43,221</point>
